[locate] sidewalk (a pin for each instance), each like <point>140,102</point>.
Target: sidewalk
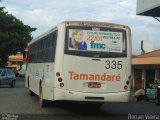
<point>132,98</point>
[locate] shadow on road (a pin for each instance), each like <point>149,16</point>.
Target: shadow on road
<point>78,107</point>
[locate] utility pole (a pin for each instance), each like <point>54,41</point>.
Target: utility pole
<point>143,51</point>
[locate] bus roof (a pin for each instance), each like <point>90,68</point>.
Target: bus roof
<point>81,23</point>
<point>42,35</point>
<point>94,24</point>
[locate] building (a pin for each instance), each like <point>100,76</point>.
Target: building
<point>148,8</point>
<point>15,61</point>
<point>146,69</point>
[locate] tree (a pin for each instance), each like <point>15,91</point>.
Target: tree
<point>14,35</point>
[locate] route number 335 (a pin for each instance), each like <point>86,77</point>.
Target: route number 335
<point>113,64</point>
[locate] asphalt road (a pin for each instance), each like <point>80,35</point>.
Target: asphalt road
<point>17,104</point>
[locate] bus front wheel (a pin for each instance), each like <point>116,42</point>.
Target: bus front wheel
<point>42,102</point>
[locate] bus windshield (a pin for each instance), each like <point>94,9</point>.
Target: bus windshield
<point>95,41</point>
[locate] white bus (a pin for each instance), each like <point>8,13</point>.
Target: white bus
<point>81,61</point>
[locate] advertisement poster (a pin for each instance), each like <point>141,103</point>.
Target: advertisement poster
<point>88,40</point>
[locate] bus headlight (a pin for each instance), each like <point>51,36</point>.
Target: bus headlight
<point>125,87</point>
<point>58,74</point>
<point>59,79</point>
<point>127,82</point>
<point>129,77</point>
<point>61,84</point>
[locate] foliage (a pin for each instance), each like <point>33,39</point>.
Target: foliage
<point>14,35</point>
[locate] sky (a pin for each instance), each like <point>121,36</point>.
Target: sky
<point>46,14</point>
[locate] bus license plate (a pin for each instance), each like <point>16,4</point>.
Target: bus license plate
<point>94,85</point>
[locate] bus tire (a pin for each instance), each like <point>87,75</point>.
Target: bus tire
<point>42,102</point>
<point>31,93</point>
<point>28,82</point>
